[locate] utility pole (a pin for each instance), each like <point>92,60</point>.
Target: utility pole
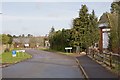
<point>118,28</point>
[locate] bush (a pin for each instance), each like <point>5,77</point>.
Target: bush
<point>7,50</point>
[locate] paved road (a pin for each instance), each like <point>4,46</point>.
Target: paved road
<point>44,65</point>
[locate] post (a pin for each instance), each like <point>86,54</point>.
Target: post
<point>110,60</point>
<point>118,28</point>
<point>100,42</point>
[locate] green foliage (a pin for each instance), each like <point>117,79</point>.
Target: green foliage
<point>29,35</point>
<point>84,32</point>
<point>52,29</point>
<point>6,39</point>
<point>7,57</point>
<point>115,7</point>
<point>59,40</point>
<point>85,29</point>
<point>114,41</point>
<point>10,39</point>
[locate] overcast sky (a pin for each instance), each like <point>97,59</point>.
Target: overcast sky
<point>37,18</point>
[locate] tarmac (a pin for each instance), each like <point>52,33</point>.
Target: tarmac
<point>91,69</point>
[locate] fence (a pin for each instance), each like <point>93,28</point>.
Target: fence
<point>109,59</point>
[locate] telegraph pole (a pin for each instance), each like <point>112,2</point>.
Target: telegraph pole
<point>118,28</point>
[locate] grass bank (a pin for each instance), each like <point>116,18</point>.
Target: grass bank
<point>7,57</point>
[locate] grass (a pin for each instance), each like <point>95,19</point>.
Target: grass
<point>7,57</point>
<point>50,50</point>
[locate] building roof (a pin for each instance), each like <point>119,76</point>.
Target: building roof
<point>108,20</point>
<point>21,40</point>
<point>29,40</point>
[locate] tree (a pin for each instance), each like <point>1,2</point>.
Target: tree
<point>29,35</point>
<point>93,31</point>
<point>14,36</point>
<point>0,39</point>
<point>23,35</point>
<point>51,34</point>
<point>85,27</point>
<point>51,31</point>
<point>115,7</point>
<point>33,42</point>
<point>83,33</point>
<point>114,22</point>
<point>60,39</point>
<point>19,36</point>
<point>10,39</point>
<point>5,39</point>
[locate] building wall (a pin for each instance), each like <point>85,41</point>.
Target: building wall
<point>105,40</point>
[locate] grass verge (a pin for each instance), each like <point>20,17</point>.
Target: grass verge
<point>7,57</point>
<point>50,50</point>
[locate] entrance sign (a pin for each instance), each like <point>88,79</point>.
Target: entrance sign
<point>105,30</point>
<point>26,45</point>
<point>13,53</point>
<point>68,48</point>
<point>20,51</point>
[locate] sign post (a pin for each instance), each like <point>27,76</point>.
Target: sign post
<point>13,53</point>
<point>68,48</point>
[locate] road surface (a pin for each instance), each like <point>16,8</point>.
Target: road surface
<point>44,65</point>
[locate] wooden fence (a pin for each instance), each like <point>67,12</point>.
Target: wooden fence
<point>110,59</point>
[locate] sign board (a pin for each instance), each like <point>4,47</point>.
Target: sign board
<point>13,53</point>
<point>105,30</point>
<point>20,51</point>
<point>68,47</point>
<point>26,45</point>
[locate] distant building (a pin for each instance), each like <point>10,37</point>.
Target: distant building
<point>46,42</point>
<point>28,42</point>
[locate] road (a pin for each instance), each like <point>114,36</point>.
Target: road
<point>44,65</point>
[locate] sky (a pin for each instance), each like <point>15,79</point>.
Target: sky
<point>37,18</point>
